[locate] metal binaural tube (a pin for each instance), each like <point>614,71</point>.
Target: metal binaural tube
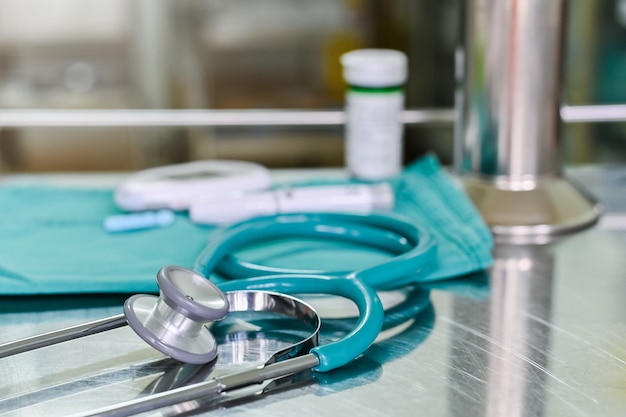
<point>509,88</point>
<point>62,335</point>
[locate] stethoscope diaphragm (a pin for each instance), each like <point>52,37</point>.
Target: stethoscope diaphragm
<point>175,322</point>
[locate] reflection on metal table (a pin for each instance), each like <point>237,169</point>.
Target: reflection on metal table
<point>543,333</point>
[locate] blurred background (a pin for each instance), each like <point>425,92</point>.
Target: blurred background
<point>256,54</point>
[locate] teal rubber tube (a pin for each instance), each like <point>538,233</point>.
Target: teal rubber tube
<point>414,249</point>
<point>371,314</point>
<point>403,269</point>
<point>235,268</point>
<point>217,254</point>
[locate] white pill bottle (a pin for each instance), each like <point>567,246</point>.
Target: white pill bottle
<point>374,104</point>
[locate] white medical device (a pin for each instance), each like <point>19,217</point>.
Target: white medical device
<point>174,186</point>
<point>218,192</point>
<point>353,198</point>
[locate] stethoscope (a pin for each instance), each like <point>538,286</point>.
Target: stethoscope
<point>177,321</point>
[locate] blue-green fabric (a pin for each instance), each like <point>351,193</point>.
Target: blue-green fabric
<point>52,239</point>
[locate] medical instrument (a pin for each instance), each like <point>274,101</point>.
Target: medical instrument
<point>172,321</point>
<point>138,221</point>
<point>360,198</point>
<point>374,104</point>
<point>174,186</point>
<point>414,248</point>
<point>415,253</point>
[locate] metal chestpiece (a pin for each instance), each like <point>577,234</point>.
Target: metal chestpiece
<point>175,322</point>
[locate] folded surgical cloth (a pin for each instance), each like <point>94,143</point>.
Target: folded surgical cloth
<point>52,239</point>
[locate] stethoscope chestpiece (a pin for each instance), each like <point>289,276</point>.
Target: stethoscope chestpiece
<point>174,322</point>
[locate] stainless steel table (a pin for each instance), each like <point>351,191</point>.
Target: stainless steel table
<point>543,333</point>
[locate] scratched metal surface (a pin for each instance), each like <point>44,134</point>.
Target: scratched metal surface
<point>543,333</point>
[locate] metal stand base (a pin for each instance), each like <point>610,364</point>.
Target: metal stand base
<point>549,207</point>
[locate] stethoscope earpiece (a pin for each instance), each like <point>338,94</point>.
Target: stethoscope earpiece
<point>174,322</point>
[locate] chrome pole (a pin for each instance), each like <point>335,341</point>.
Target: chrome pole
<point>167,118</point>
<point>507,128</point>
<point>594,113</point>
<point>198,117</point>
<point>272,117</point>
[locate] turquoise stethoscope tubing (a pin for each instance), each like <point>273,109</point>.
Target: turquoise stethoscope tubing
<point>175,322</point>
<point>412,247</point>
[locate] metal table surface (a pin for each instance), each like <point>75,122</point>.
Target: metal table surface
<point>543,333</point>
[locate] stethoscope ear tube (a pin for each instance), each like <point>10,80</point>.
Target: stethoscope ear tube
<point>413,249</point>
<point>404,269</point>
<point>371,313</point>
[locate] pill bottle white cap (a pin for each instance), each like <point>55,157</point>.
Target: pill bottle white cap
<point>374,67</point>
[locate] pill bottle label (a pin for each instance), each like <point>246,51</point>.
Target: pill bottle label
<point>374,133</point>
